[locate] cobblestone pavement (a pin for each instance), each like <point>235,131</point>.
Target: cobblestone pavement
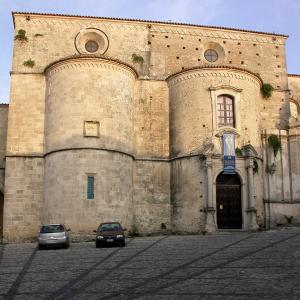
<point>263,265</point>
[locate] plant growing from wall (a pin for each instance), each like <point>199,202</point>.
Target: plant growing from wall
<point>29,63</point>
<point>275,143</point>
<point>267,90</point>
<point>238,151</point>
<point>21,35</point>
<point>255,167</point>
<point>137,58</point>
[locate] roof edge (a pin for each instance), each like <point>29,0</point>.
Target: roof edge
<point>147,21</point>
<point>294,75</point>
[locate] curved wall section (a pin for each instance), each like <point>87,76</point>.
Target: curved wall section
<point>65,189</point>
<point>193,107</point>
<point>89,103</point>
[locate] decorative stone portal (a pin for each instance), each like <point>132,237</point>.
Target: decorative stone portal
<point>229,207</point>
<point>1,215</point>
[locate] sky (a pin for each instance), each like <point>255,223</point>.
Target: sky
<point>278,16</point>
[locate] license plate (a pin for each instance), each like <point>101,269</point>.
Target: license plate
<point>110,240</point>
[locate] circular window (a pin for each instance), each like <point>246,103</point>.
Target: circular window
<point>91,46</point>
<point>91,41</point>
<point>211,55</point>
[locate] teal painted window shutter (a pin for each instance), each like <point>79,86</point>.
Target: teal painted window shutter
<point>90,187</point>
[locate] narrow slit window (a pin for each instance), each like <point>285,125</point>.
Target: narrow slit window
<point>225,108</point>
<point>90,187</point>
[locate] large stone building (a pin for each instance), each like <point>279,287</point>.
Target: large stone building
<point>115,119</point>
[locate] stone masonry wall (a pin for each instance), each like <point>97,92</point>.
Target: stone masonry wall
<point>3,133</point>
<point>166,49</point>
<point>139,114</point>
<point>89,90</point>
<point>23,203</point>
<point>151,196</point>
<point>191,109</point>
<point>65,190</point>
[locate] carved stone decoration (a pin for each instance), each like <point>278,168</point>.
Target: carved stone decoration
<point>91,129</point>
<point>91,41</point>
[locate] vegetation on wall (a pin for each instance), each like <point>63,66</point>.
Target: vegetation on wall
<point>267,90</point>
<point>21,35</point>
<point>275,143</point>
<point>29,63</point>
<point>238,151</point>
<point>255,167</point>
<point>137,58</point>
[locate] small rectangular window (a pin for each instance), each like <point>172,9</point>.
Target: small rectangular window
<point>90,187</point>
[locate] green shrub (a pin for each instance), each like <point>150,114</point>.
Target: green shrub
<point>238,151</point>
<point>275,143</point>
<point>137,58</point>
<point>21,35</point>
<point>29,63</point>
<point>267,90</point>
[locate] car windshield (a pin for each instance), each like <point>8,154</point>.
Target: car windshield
<point>52,228</point>
<point>109,227</point>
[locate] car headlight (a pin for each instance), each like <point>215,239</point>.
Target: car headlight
<point>99,237</point>
<point>119,236</point>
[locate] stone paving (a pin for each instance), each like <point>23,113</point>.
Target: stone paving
<point>238,265</point>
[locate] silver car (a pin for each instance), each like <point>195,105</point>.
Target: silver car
<point>53,235</point>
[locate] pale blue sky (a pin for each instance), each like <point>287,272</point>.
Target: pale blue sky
<point>279,16</point>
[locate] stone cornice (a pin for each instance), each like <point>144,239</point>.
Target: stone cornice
<point>214,71</point>
<point>91,61</point>
<point>224,32</point>
<point>294,75</point>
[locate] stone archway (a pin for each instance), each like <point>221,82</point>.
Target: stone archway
<point>229,202</point>
<point>1,214</point>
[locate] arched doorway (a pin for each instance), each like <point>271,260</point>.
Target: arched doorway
<point>229,204</point>
<point>1,214</point>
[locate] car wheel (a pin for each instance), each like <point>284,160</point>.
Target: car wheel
<point>41,247</point>
<point>123,244</point>
<point>98,245</point>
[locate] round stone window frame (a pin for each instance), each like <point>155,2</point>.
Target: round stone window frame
<point>91,34</point>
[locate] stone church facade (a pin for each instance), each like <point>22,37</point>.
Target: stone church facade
<point>124,120</point>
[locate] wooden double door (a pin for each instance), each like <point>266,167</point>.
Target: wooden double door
<point>229,206</point>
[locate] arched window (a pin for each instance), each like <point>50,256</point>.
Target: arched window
<point>225,111</point>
